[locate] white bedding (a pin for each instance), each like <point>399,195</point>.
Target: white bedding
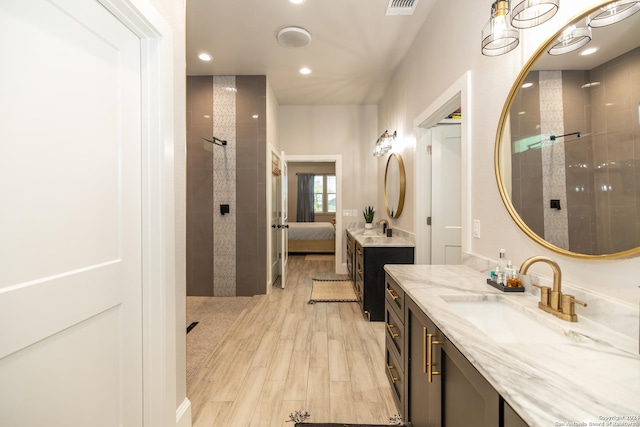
<point>311,231</point>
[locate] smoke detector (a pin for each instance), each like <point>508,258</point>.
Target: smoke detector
<point>293,37</point>
<point>401,7</point>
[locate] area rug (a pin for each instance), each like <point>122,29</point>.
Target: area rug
<point>332,291</point>
<point>319,257</point>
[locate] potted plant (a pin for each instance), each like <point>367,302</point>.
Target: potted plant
<point>368,213</point>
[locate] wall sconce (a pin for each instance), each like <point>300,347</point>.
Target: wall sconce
<point>613,12</point>
<point>384,143</point>
<point>500,35</point>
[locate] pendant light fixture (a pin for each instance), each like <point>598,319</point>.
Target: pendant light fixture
<point>498,37</point>
<point>530,13</point>
<point>613,12</point>
<point>573,38</point>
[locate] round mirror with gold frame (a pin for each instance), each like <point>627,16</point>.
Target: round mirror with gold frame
<point>394,186</point>
<point>567,156</point>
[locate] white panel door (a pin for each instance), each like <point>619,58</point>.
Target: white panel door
<point>70,221</point>
<point>276,213</point>
<point>284,198</point>
<point>446,211</point>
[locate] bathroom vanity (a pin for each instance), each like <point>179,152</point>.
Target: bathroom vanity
<point>459,353</point>
<point>370,251</point>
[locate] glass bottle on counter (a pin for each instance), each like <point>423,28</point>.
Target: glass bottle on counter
<point>512,279</point>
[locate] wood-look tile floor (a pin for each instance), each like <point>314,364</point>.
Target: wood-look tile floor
<point>284,355</point>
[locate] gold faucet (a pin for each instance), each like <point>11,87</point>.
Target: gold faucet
<point>385,224</point>
<point>551,300</point>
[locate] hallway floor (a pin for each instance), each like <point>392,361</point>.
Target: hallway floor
<point>283,355</point>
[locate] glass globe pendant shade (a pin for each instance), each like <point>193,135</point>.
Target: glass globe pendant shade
<point>573,38</point>
<point>530,13</point>
<point>498,37</point>
<point>613,12</point>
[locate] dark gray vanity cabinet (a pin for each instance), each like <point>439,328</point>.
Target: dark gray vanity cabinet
<point>422,398</point>
<point>370,276</point>
<point>433,383</point>
<point>395,339</point>
<point>444,389</point>
<point>351,248</point>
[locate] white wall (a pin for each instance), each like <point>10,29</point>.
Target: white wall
<point>446,47</point>
<point>272,122</point>
<point>350,131</point>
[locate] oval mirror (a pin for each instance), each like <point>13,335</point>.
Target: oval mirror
<point>394,186</point>
<point>567,155</point>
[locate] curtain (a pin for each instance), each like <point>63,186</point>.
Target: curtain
<point>305,198</point>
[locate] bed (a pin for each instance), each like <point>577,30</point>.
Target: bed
<point>312,237</point>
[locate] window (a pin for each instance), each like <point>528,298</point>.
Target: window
<point>324,193</point>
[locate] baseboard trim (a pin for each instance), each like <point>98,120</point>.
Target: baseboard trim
<point>183,414</point>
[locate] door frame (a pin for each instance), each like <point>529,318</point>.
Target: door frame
<point>457,95</point>
<point>163,206</point>
<point>340,267</point>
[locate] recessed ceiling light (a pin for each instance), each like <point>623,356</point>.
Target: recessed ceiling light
<point>588,51</point>
<point>230,89</point>
<point>255,116</point>
<point>205,57</point>
<point>526,85</point>
<point>305,70</point>
<point>297,1</point>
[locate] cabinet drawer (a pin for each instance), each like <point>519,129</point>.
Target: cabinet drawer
<point>395,332</point>
<point>394,295</point>
<point>358,287</point>
<point>395,375</point>
<point>359,254</point>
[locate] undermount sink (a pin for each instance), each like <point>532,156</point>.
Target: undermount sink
<point>504,323</point>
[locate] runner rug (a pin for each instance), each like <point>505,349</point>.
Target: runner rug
<point>332,291</point>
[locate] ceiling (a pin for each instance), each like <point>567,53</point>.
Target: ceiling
<point>353,53</point>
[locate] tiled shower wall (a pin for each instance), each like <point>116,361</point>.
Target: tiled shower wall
<point>554,186</point>
<point>226,254</point>
<point>601,168</point>
<point>224,186</point>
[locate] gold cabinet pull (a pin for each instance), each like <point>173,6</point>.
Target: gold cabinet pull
<point>393,334</point>
<point>359,251</point>
<point>393,379</point>
<point>429,342</point>
<point>391,294</point>
<point>360,272</point>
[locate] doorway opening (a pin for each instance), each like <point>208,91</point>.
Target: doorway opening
<point>328,204</point>
<point>432,196</point>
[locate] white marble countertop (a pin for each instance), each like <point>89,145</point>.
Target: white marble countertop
<point>592,377</point>
<point>373,237</point>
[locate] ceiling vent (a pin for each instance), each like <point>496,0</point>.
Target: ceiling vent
<point>293,37</point>
<point>401,7</point>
